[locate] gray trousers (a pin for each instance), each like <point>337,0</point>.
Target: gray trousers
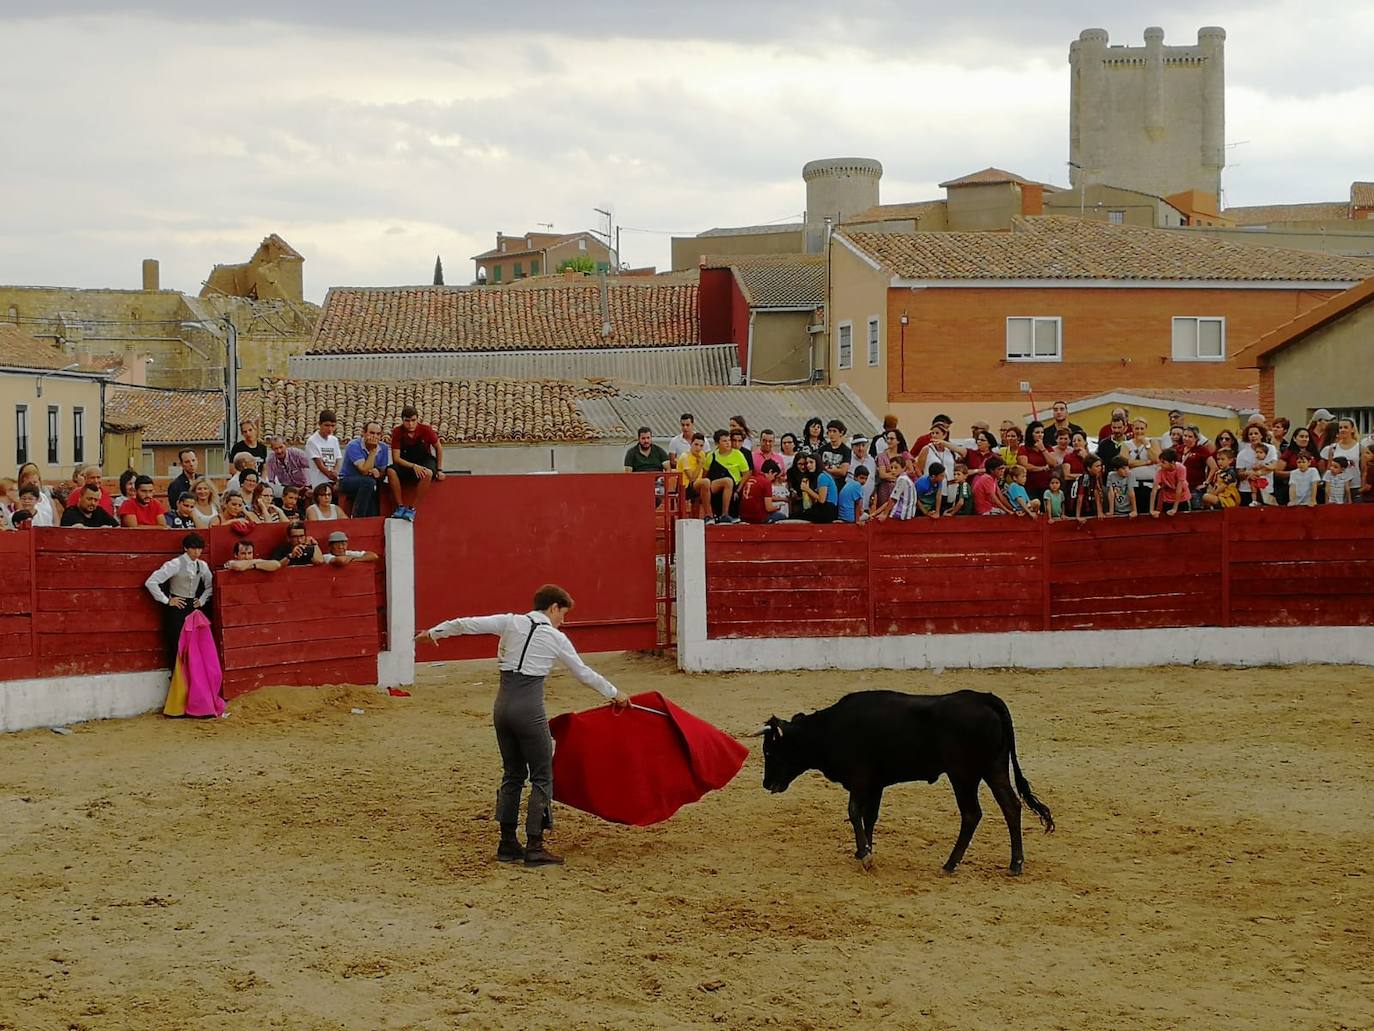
<point>522,734</point>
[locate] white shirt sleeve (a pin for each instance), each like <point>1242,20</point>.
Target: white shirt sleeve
<point>208,579</point>
<point>496,624</point>
<point>567,655</point>
<point>157,578</point>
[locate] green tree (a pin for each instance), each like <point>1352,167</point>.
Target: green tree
<point>438,271</point>
<point>581,263</point>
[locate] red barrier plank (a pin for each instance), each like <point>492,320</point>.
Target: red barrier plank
<point>309,674</point>
<point>1119,572</point>
<point>762,603</point>
<point>1138,584</point>
<point>1186,523</point>
<point>113,619</point>
<point>1008,528</point>
<point>1202,606</point>
<point>730,628</point>
<point>786,565</point>
<point>785,551</point>
<point>1300,570</point>
<point>98,579</point>
<point>1273,552</point>
<point>16,645</point>
<point>1030,574</point>
<point>960,625</point>
<point>11,604</point>
<point>110,644</point>
<point>147,543</point>
<point>849,581</point>
<point>953,561</point>
<point>126,599</point>
<point>793,533</point>
<point>301,652</point>
<point>1126,549</point>
<point>966,589</point>
<point>323,628</point>
<point>307,585</point>
<point>1309,610</point>
<point>887,610</point>
<point>1146,619</point>
<point>289,612</point>
<point>16,579</point>
<point>1333,587</point>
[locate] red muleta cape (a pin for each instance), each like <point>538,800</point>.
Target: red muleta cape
<point>638,767</point>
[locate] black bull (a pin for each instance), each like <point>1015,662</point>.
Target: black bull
<point>872,739</point>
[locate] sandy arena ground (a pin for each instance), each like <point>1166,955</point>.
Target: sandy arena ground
<point>297,866</point>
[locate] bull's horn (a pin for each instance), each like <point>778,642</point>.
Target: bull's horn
<point>758,733</point>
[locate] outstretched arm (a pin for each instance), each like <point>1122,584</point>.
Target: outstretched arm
<point>466,625</point>
<point>567,655</point>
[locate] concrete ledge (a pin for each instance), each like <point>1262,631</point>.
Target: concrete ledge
<point>1055,649</point>
<point>57,701</point>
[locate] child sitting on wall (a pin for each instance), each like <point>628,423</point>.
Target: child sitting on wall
<point>1120,490</point>
<point>1052,501</point>
<point>1222,486</point>
<point>1017,497</point>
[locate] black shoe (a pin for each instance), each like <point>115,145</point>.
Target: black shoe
<point>538,855</point>
<point>509,850</point>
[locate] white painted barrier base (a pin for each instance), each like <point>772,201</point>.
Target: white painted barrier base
<point>57,701</point>
<point>396,665</point>
<point>1052,649</point>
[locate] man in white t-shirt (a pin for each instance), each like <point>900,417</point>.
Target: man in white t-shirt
<point>682,443</point>
<point>861,457</point>
<point>324,452</point>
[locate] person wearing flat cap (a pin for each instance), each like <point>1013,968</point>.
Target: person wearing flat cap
<point>338,553</point>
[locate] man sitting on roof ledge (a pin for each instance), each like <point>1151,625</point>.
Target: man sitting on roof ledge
<point>366,465</point>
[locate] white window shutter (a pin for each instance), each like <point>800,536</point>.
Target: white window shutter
<point>1185,340</point>
<point>1210,343</point>
<point>1018,338</point>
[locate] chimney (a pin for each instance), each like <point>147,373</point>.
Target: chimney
<point>1032,199</point>
<point>151,275</point>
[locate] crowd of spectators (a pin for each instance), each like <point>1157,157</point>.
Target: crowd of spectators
<point>268,481</point>
<point>1052,469</point>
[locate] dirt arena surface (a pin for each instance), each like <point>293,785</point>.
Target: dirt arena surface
<point>297,866</point>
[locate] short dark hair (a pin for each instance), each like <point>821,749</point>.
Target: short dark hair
<point>837,424</point>
<point>20,518</point>
<point>686,415</point>
<point>1342,461</point>
<point>1168,455</point>
<point>944,419</point>
<point>720,435</point>
<point>91,486</point>
<point>183,453</point>
<point>410,412</point>
<point>1227,452</point>
<point>861,473</point>
<point>240,545</point>
<point>643,430</point>
<point>127,475</point>
<point>771,466</point>
<point>1120,462</point>
<point>698,435</point>
<point>993,464</point>
<point>295,526</point>
<point>935,469</point>
<point>192,540</point>
<point>1092,461</point>
<point>769,432</point>
<point>30,490</point>
<point>372,422</point>
<point>326,415</point>
<point>550,595</point>
<point>143,481</point>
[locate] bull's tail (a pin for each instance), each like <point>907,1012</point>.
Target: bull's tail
<point>1023,787</point>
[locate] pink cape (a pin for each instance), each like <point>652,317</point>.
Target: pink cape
<point>638,767</point>
<point>196,652</point>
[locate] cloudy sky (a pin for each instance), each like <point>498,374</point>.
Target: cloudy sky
<point>374,135</point>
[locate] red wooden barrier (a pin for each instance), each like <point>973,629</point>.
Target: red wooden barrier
<point>16,604</point>
<point>1243,567</point>
<point>485,543</point>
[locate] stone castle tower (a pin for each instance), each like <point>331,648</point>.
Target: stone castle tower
<point>837,188</point>
<point>1149,118</point>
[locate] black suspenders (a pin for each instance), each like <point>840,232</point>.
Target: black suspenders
<point>520,666</point>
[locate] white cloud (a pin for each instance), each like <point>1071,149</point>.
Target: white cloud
<point>169,135</point>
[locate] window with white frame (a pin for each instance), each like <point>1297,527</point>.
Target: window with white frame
<point>1034,339</point>
<point>54,435</point>
<point>21,434</point>
<point>1199,338</point>
<point>1117,217</point>
<point>844,346</point>
<point>78,434</point>
<point>874,347</point>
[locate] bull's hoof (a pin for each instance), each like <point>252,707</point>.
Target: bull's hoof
<point>866,861</point>
<point>1015,869</point>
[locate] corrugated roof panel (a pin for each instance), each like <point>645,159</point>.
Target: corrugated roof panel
<point>694,365</point>
<point>777,408</point>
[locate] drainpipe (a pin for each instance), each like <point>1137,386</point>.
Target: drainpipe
<point>749,352</point>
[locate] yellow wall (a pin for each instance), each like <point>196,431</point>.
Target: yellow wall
<point>1332,367</point>
<point>982,207</point>
<point>1093,419</point>
<point>857,293</point>
<point>66,394</point>
<point>689,250</point>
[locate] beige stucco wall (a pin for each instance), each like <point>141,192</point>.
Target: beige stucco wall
<point>1098,201</point>
<point>858,292</point>
<point>781,347</point>
<point>1332,367</point>
<point>504,459</point>
<point>982,207</point>
<point>64,393</point>
<point>689,250</point>
<point>1343,236</point>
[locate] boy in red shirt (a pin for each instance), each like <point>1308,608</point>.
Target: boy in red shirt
<point>142,510</point>
<point>756,504</point>
<point>417,455</point>
<point>1171,484</point>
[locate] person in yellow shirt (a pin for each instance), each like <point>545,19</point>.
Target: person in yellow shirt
<point>691,465</point>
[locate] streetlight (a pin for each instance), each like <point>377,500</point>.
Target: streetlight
<point>38,383</point>
<point>1082,183</point>
<point>230,336</point>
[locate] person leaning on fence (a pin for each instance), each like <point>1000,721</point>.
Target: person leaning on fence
<point>756,502</point>
<point>1302,481</point>
<point>1222,489</point>
<point>244,559</point>
<point>644,456</point>
<point>530,645</point>
<point>339,553</point>
<point>180,517</point>
<point>1089,490</point>
<point>1170,490</point>
<point>300,548</point>
<point>417,454</point>
<point>181,586</point>
<point>85,510</point>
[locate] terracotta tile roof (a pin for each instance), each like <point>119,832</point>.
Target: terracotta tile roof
<point>989,177</point>
<point>173,416</point>
<point>19,349</point>
<point>466,411</point>
<point>1071,248</point>
<point>776,280</point>
<point>642,313</point>
<point>1362,195</point>
<point>887,212</point>
<point>1309,321</point>
<point>1265,214</point>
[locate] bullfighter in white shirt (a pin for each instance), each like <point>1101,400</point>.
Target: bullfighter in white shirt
<point>530,644</point>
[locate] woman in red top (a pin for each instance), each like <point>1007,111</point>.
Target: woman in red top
<point>1038,460</point>
<point>1198,463</point>
<point>984,447</point>
<point>1076,459</point>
